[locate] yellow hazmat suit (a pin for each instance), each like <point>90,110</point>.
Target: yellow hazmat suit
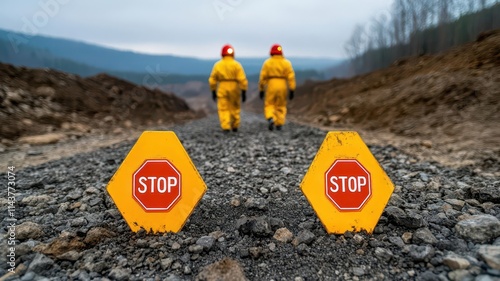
<point>228,79</point>
<point>276,78</point>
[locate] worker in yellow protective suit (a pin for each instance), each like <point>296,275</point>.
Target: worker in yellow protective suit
<point>228,84</point>
<point>277,79</point>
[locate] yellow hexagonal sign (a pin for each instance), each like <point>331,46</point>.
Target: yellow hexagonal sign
<point>157,186</point>
<point>345,184</point>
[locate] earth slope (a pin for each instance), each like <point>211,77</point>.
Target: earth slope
<point>449,102</point>
<point>41,101</point>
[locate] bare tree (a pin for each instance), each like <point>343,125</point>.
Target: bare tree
<point>379,32</point>
<point>416,27</point>
<point>400,12</point>
<point>355,46</point>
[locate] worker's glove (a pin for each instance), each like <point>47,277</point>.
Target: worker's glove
<point>243,95</point>
<point>214,95</point>
<point>261,94</point>
<point>290,95</point>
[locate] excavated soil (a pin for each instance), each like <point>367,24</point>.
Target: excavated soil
<point>40,101</point>
<point>444,108</point>
<point>48,115</point>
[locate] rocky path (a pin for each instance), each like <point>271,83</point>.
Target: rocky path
<point>253,223</point>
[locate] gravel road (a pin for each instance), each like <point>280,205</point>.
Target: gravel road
<point>253,223</point>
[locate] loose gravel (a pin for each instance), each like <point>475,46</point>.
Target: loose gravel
<point>254,222</point>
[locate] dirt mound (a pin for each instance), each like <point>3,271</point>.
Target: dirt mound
<point>42,101</point>
<point>451,98</point>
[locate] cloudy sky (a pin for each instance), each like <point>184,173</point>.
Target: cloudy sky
<point>314,28</point>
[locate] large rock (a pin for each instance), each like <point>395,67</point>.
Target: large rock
<point>69,256</point>
<point>62,245</point>
<point>40,263</point>
<point>28,230</point>
<point>45,91</point>
<point>479,228</point>
<point>226,269</point>
<point>43,139</point>
<point>119,273</point>
<point>256,204</point>
<point>304,237</point>
<point>486,193</point>
<point>15,96</point>
<point>408,218</point>
<point>455,261</point>
<point>491,255</point>
<point>258,226</point>
<point>424,236</point>
<point>206,242</point>
<point>421,253</point>
<point>96,234</point>
<point>283,235</point>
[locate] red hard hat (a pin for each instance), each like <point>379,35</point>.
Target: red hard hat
<point>276,50</point>
<point>227,50</point>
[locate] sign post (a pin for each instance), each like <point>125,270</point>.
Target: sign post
<point>157,186</point>
<point>345,184</point>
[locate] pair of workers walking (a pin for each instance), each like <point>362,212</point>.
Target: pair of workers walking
<point>229,84</point>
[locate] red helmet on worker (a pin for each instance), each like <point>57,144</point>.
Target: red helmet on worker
<point>227,50</point>
<point>276,49</point>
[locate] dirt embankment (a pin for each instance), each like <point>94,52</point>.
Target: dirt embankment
<point>442,108</point>
<point>35,102</point>
<point>448,102</point>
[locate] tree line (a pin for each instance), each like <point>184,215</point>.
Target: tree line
<point>420,27</point>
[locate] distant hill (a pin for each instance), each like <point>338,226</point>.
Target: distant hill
<point>87,59</point>
<point>30,56</point>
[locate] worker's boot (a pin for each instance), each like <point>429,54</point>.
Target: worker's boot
<point>270,121</point>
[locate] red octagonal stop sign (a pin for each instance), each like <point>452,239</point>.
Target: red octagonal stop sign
<point>157,185</point>
<point>348,185</point>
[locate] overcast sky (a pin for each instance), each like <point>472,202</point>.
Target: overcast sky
<point>315,28</point>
